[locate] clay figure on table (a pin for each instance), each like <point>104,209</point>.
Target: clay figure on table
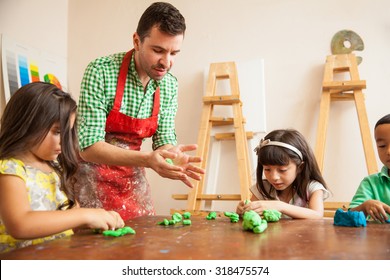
<point>252,221</point>
<point>349,218</point>
<point>211,216</point>
<point>271,215</point>
<point>38,162</point>
<point>125,98</point>
<point>288,178</point>
<point>234,217</point>
<point>119,232</point>
<point>373,194</point>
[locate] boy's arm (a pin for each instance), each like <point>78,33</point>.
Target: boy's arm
<point>363,193</point>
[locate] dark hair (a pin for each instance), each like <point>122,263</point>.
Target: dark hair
<point>165,16</point>
<point>28,117</point>
<point>383,120</point>
<point>276,155</point>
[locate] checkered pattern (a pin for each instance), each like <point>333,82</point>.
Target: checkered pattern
<point>97,96</point>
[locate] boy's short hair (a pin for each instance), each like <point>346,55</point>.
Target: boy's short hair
<point>383,120</point>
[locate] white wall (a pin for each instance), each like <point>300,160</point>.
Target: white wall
<point>292,36</point>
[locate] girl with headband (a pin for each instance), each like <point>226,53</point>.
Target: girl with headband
<point>288,178</point>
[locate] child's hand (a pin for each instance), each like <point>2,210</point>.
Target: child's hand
<point>243,206</point>
<point>260,205</point>
<point>102,219</point>
<point>240,208</point>
<point>376,209</point>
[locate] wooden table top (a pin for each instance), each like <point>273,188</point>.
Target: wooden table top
<point>220,240</point>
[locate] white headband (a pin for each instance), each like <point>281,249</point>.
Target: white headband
<point>268,142</point>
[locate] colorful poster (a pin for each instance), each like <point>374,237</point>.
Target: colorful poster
<point>22,64</point>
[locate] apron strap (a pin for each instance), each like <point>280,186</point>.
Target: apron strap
<point>156,105</point>
<point>122,80</point>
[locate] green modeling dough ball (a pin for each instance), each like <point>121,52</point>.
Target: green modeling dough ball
<point>186,215</point>
<point>186,222</point>
<point>165,222</point>
<point>272,215</point>
<point>211,216</point>
<point>177,217</point>
<point>169,161</point>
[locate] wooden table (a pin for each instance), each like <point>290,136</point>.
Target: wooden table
<point>220,240</point>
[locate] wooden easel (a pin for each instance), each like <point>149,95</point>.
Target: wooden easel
<point>349,90</point>
<point>221,71</point>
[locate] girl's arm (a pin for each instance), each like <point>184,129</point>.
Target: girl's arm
<point>23,223</point>
<point>315,210</point>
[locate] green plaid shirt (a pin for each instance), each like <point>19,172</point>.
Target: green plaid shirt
<point>97,96</point>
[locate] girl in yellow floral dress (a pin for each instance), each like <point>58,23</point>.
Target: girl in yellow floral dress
<point>38,160</point>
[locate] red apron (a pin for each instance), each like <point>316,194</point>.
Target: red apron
<point>119,188</point>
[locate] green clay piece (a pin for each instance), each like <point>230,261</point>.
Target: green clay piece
<point>186,215</point>
<point>234,217</point>
<point>128,230</point>
<point>177,217</point>
<point>272,215</point>
<point>252,221</point>
<point>186,222</point>
<point>211,216</point>
<point>111,233</point>
<point>119,232</point>
<point>169,161</point>
<point>247,201</point>
<point>261,227</point>
<point>165,222</point>
<point>172,222</point>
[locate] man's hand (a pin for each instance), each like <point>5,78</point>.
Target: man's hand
<point>182,168</point>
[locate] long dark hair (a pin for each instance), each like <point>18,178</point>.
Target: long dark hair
<point>276,155</point>
<point>28,117</point>
<point>165,16</point>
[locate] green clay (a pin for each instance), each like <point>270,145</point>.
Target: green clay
<point>252,221</point>
<point>177,217</point>
<point>211,216</point>
<point>272,215</point>
<point>261,227</point>
<point>169,161</point>
<point>119,232</point>
<point>234,217</point>
<point>186,215</point>
<point>165,222</point>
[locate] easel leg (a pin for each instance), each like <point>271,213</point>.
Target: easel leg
<point>365,133</point>
<point>322,129</point>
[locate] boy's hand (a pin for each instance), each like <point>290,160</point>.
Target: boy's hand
<point>377,210</point>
